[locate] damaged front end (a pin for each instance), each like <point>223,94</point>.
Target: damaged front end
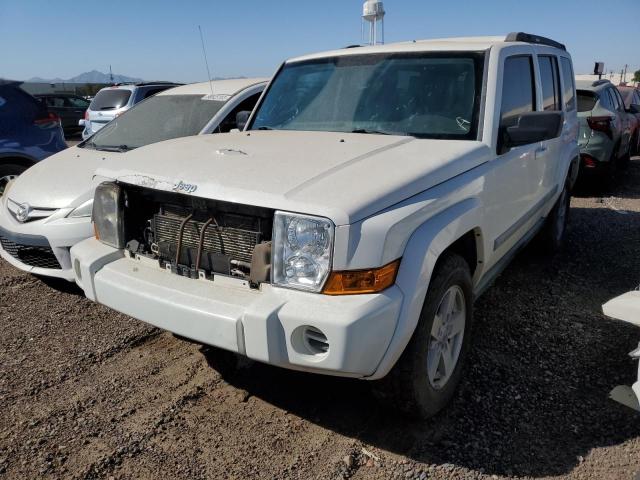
<point>198,238</point>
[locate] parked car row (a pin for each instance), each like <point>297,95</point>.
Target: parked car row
<point>49,209</point>
<point>343,221</point>
<point>609,127</point>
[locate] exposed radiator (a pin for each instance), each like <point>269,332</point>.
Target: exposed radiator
<point>235,243</point>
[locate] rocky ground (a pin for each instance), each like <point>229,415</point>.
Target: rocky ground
<point>88,393</point>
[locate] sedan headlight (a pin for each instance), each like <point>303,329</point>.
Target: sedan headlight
<point>302,246</point>
<point>107,214</point>
<point>83,210</point>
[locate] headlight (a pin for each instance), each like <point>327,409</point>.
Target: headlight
<point>83,210</point>
<point>302,247</point>
<point>107,214</point>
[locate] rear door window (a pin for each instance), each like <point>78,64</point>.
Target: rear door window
<point>518,91</point>
<point>616,93</point>
<point>550,82</point>
<point>569,85</point>
<point>110,99</point>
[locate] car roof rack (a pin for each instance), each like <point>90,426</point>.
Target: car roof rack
<point>530,38</point>
<point>597,83</point>
<point>353,46</point>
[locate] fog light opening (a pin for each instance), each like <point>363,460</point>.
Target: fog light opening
<point>315,341</point>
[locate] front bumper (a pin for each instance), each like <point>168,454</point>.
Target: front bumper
<point>266,325</point>
<point>53,237</point>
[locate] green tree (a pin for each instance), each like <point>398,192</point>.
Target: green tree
<point>636,76</point>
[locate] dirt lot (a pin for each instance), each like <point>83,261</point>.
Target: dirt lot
<point>89,393</point>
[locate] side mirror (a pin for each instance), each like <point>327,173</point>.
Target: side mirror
<point>635,109</point>
<point>241,119</point>
<point>533,127</point>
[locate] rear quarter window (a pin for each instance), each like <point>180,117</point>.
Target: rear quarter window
<point>110,99</point>
<point>569,85</point>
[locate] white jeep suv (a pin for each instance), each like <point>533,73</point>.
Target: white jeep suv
<point>376,192</point>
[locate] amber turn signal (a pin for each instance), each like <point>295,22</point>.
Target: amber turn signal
<point>352,282</point>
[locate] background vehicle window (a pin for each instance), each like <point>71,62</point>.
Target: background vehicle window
<point>153,91</point>
<point>550,83</point>
<point>616,93</point>
<point>77,102</point>
<point>569,85</point>
<point>229,122</point>
<point>613,100</point>
<point>518,92</point>
<point>160,118</point>
<point>586,100</point>
<point>110,99</point>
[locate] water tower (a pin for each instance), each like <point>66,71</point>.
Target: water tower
<point>373,15</point>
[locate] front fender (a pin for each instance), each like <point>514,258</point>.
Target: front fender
<point>421,253</point>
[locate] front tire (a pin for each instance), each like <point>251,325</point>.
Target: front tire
<point>427,374</point>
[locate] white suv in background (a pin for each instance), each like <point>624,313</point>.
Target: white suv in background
<point>111,102</point>
<point>375,194</point>
<point>46,210</point>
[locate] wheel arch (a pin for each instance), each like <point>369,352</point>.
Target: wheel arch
<point>17,159</point>
<point>453,230</point>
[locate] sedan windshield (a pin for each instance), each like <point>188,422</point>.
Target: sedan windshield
<point>423,95</point>
<point>158,118</point>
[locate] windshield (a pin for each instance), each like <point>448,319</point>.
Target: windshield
<point>158,118</point>
<point>423,95</point>
<point>110,99</point>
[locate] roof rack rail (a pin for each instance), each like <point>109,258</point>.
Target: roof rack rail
<point>352,46</point>
<point>530,38</point>
<point>602,81</point>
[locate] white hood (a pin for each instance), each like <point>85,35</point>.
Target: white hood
<point>61,180</point>
<point>345,177</point>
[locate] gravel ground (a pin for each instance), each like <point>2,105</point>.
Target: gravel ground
<point>88,393</point>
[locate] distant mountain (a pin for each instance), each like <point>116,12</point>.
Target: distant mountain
<point>93,76</point>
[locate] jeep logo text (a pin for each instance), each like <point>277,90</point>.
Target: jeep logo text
<point>185,187</point>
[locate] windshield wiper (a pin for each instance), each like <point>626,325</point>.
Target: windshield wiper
<point>376,132</point>
<point>112,148</point>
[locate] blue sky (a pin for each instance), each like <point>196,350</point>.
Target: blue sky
<point>159,39</point>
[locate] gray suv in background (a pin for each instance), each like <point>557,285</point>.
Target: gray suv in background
<point>605,128</point>
<point>110,102</point>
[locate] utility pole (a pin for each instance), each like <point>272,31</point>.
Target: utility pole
<point>624,80</point>
<point>110,75</point>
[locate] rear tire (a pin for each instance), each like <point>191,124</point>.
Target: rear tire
<point>423,381</point>
<point>8,172</point>
<point>554,231</point>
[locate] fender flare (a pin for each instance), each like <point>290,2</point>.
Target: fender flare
<point>424,248</point>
